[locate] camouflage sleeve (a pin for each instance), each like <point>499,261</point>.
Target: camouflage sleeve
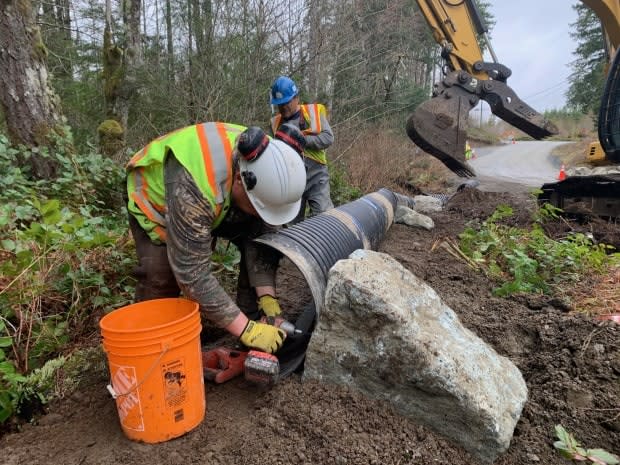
<point>188,223</point>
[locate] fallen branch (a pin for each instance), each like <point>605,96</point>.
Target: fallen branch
<point>453,249</point>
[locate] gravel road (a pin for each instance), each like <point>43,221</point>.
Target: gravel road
<point>517,167</point>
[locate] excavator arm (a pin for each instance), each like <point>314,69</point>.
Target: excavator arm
<point>439,125</point>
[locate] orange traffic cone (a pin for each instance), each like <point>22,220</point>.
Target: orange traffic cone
<point>562,175</point>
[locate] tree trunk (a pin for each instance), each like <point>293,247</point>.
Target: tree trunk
<point>112,143</point>
<point>120,68</point>
<point>30,106</point>
<point>313,49</point>
<point>56,31</point>
<point>169,45</point>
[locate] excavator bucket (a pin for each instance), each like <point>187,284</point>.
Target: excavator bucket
<point>439,127</point>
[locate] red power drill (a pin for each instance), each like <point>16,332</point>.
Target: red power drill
<point>222,364</point>
<point>261,367</point>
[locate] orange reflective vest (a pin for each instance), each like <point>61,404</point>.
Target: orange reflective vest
<point>205,151</point>
<point>311,113</point>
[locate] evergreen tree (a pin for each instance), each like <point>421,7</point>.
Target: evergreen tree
<point>587,79</point>
<point>484,8</point>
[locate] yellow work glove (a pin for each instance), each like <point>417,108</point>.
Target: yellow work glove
<point>262,337</point>
<point>269,305</point>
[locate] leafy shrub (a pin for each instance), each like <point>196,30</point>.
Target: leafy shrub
<point>341,190</point>
<point>526,260</point>
<point>65,256</point>
<point>225,263</point>
<point>10,379</point>
<point>569,448</point>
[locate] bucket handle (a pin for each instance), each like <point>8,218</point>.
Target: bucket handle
<point>115,394</point>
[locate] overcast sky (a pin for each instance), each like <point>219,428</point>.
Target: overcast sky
<point>531,38</point>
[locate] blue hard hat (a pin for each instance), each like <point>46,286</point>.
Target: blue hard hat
<point>283,90</point>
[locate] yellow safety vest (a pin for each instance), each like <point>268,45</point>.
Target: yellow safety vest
<point>205,151</point>
<point>312,115</point>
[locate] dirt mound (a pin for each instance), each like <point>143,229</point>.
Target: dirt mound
<point>571,365</point>
<point>600,230</point>
<point>474,204</point>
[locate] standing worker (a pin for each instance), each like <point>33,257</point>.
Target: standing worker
<point>311,119</point>
<point>468,151</point>
<point>206,181</point>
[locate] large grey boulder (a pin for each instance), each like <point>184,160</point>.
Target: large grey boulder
<point>386,333</point>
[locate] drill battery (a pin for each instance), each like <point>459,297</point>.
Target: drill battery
<point>261,368</point>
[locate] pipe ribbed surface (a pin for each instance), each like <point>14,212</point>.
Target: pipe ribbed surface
<point>316,244</point>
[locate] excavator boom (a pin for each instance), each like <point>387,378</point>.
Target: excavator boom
<point>439,125</point>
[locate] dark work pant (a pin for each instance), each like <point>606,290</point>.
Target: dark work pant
<point>316,194</point>
<point>154,275</point>
<point>246,294</point>
<point>155,279</point>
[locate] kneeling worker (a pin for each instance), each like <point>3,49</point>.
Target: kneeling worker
<point>213,180</point>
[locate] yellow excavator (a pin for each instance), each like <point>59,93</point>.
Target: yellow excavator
<point>439,125</point>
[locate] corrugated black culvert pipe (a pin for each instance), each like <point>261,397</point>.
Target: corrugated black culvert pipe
<point>316,244</point>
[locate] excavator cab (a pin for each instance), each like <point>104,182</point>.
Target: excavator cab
<point>439,125</point>
<point>609,113</point>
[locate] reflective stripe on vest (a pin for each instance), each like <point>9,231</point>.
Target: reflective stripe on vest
<point>211,171</point>
<point>275,123</point>
<point>217,155</point>
<point>312,115</point>
<point>150,209</point>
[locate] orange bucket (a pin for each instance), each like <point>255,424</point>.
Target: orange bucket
<point>155,361</point>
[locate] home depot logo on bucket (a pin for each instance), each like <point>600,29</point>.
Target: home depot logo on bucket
<point>124,379</point>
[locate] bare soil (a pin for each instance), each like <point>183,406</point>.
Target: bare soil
<point>571,364</point>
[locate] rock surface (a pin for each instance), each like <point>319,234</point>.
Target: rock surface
<point>405,215</point>
<point>427,204</point>
<point>387,334</point>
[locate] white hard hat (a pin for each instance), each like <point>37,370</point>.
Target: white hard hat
<point>274,179</point>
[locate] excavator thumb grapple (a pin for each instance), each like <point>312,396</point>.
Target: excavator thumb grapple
<point>439,125</point>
